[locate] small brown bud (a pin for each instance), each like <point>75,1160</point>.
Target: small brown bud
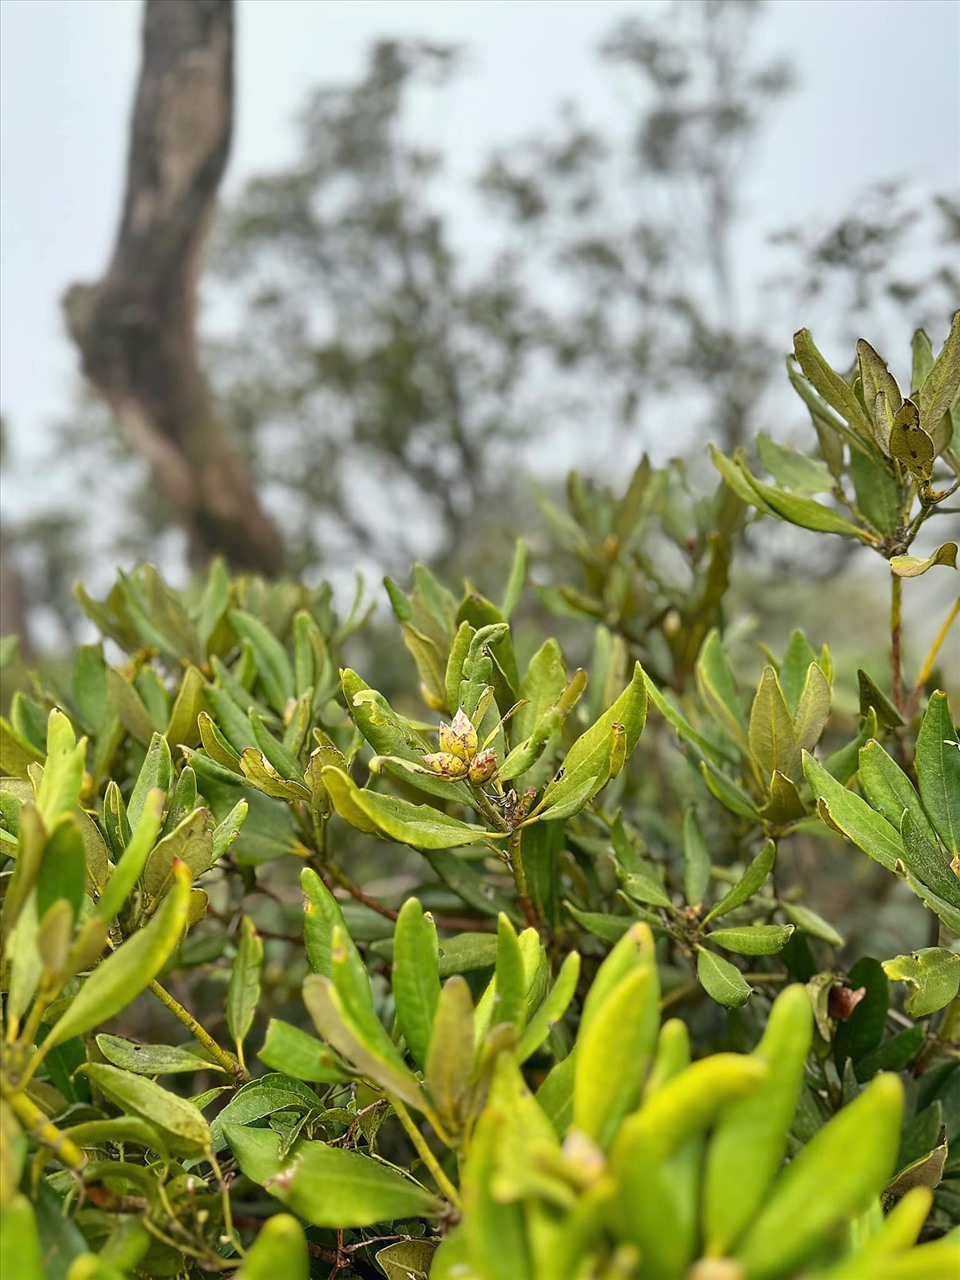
<point>843,1000</point>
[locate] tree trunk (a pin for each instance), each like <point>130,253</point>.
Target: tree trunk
<point>136,327</point>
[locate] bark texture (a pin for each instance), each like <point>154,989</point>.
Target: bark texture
<point>136,327</point>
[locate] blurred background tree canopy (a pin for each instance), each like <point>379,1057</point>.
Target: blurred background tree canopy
<point>374,367</point>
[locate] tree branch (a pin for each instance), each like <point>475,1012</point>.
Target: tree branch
<point>136,327</point>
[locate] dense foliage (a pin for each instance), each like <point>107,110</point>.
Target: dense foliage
<point>552,998</point>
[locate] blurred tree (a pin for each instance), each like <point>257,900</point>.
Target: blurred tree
<point>640,227</point>
<point>371,375</point>
<point>136,328</point>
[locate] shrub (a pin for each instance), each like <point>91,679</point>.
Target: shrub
<point>446,1057</point>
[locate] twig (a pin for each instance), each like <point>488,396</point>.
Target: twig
<point>424,1152</point>
<point>223,1059</point>
<point>896,661</point>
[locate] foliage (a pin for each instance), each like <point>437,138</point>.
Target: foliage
<point>443,1053</point>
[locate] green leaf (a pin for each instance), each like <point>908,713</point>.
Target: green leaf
<point>190,842</point>
<point>872,698</point>
<point>794,470</point>
<point>863,1030</point>
<point>938,391</point>
<point>466,953</point>
<point>696,860</point>
<point>889,790</point>
<point>922,361</point>
<point>753,940</point>
<point>125,973</point>
<point>612,1052</point>
<point>773,743</point>
<point>152,1059</point>
<point>812,710</point>
<point>548,700</point>
<point>924,860</point>
<point>721,980</point>
<point>718,689</point>
<point>607,927</point>
<point>642,886</point>
<point>190,701</point>
<point>262,1098</point>
<point>297,1053</point>
<point>784,805</point>
<point>823,1186</point>
<point>21,1254</point>
<point>129,707</point>
<point>321,914</point>
<point>796,509</point>
<point>892,1055</point>
<point>450,1055</point>
<point>279,1252</point>
<point>327,1186</point>
<point>429,661</point>
<point>588,762</point>
<point>829,384</point>
<point>243,992</point>
<point>880,392</point>
<point>749,883</point>
<point>516,578</point>
<point>933,976</point>
<point>416,825</point>
<point>59,789</point>
<point>938,770</point>
<point>852,816</point>
<point>336,1025</point>
<point>914,566</point>
<point>552,1009</point>
<point>156,773</point>
<point>407,1259</point>
<point>63,871</point>
<point>134,858</point>
<point>809,922</point>
<point>746,1150</point>
<point>273,665</point>
<point>416,976</point>
<point>140,1097</point>
<point>727,792</point>
<point>509,984</point>
<point>876,491</point>
<point>911,444</point>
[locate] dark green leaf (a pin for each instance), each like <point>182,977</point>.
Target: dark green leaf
<point>721,980</point>
<point>938,771</point>
<point>749,883</point>
<point>416,976</point>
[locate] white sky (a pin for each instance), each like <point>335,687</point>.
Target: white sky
<point>878,98</point>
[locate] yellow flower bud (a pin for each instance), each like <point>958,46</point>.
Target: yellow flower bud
<point>483,767</point>
<point>459,738</point>
<point>446,765</point>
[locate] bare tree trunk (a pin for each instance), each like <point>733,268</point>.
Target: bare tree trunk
<point>136,328</point>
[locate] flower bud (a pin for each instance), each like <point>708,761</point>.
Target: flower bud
<point>446,765</point>
<point>460,738</point>
<point>483,767</point>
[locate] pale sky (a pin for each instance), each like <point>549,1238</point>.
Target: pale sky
<point>878,98</point>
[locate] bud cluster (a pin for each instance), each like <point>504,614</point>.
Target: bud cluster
<point>459,756</point>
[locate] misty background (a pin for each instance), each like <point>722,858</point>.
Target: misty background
<point>874,99</point>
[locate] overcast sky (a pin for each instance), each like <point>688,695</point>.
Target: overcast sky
<point>878,98</point>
